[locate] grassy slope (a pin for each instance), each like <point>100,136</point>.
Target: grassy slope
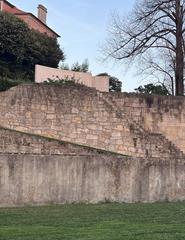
<point>87,222</point>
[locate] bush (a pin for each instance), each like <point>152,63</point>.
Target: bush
<point>66,81</point>
<point>6,84</point>
<point>21,48</point>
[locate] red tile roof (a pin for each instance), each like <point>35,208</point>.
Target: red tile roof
<point>16,11</point>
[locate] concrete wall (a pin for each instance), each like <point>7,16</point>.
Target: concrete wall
<point>43,73</point>
<point>46,179</point>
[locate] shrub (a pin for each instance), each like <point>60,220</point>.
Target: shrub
<point>21,48</point>
<point>6,84</point>
<point>66,81</point>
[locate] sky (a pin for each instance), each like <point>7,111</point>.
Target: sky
<point>83,26</point>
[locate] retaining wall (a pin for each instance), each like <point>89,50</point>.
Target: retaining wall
<point>38,171</point>
<point>84,116</point>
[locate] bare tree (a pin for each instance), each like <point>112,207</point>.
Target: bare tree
<point>154,24</point>
<point>158,66</point>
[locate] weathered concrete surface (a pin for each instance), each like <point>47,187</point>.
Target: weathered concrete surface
<point>45,179</point>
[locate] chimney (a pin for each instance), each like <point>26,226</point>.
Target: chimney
<point>42,13</point>
<point>1,5</point>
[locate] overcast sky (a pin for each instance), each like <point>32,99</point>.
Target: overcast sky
<point>82,25</point>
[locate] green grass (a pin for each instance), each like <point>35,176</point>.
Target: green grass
<point>95,222</point>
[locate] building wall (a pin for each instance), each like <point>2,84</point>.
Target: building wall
<point>8,8</point>
<point>36,25</point>
<point>32,22</point>
<point>43,73</point>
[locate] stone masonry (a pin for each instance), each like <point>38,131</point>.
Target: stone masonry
<point>115,122</point>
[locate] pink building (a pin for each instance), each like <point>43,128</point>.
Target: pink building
<point>42,73</point>
<point>37,23</point>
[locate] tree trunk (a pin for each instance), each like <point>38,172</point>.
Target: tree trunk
<point>179,70</point>
<point>173,87</point>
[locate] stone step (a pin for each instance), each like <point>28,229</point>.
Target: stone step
<point>136,128</point>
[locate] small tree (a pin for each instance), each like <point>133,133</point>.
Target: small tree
<point>77,67</point>
<point>43,50</point>
<point>84,67</point>
<point>13,38</point>
<point>22,48</point>
<point>64,66</point>
<point>158,66</point>
<point>153,89</point>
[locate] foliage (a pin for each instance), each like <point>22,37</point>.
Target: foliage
<point>153,89</point>
<point>158,66</point>
<point>64,66</point>
<point>66,81</point>
<point>77,67</point>
<point>6,84</point>
<point>22,48</point>
<point>42,50</point>
<point>115,84</point>
<point>12,38</point>
<point>84,67</point>
<point>159,221</point>
<point>12,44</point>
<point>153,25</point>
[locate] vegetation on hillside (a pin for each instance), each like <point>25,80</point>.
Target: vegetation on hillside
<point>64,81</point>
<point>6,84</point>
<point>22,48</point>
<point>76,67</point>
<point>151,89</point>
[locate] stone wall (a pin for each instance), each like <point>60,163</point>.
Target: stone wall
<point>40,165</point>
<point>36,170</point>
<point>20,143</point>
<point>115,122</point>
<point>156,114</point>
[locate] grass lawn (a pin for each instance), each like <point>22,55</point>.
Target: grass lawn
<point>101,221</point>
